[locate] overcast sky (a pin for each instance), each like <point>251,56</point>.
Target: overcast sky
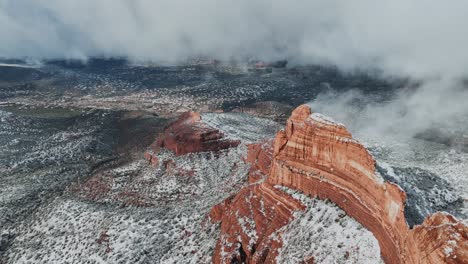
<point>419,38</point>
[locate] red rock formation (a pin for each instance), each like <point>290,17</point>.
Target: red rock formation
<point>216,213</point>
<point>259,156</point>
<point>151,158</point>
<point>189,134</point>
<point>319,157</point>
<point>248,223</point>
<point>440,239</point>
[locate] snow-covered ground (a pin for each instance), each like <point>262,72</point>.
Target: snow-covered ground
<point>244,127</point>
<point>173,229</point>
<point>434,176</point>
<point>41,155</point>
<point>73,231</point>
<point>170,225</point>
<point>324,231</point>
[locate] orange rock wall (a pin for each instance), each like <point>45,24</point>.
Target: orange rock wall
<point>259,156</point>
<point>248,222</point>
<point>320,158</point>
<point>439,239</point>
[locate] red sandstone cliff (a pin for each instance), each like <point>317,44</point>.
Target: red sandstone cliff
<point>188,134</point>
<point>319,157</point>
<point>249,222</point>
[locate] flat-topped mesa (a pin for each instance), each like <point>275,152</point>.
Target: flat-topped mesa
<point>319,157</point>
<point>188,134</point>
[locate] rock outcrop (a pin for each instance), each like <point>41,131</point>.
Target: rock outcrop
<point>151,157</point>
<point>250,223</point>
<point>439,239</point>
<point>259,157</point>
<point>319,157</point>
<point>189,134</point>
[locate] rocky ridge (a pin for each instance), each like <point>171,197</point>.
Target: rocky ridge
<point>319,157</point>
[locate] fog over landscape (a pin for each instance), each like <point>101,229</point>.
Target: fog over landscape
<point>420,39</point>
<point>425,41</point>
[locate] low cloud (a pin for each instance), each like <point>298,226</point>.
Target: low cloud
<point>423,40</point>
<point>436,106</point>
<point>417,38</point>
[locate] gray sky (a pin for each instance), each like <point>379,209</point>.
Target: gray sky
<point>419,38</point>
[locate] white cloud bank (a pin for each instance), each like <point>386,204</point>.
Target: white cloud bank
<point>425,40</point>
<point>412,37</point>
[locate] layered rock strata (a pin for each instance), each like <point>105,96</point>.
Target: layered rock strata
<point>250,223</point>
<point>319,157</point>
<point>189,135</point>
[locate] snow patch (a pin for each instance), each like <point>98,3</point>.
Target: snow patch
<point>324,119</point>
<point>324,231</point>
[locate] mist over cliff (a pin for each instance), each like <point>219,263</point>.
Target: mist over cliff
<point>436,110</point>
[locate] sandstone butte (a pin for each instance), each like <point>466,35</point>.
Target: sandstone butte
<point>320,158</point>
<point>188,134</point>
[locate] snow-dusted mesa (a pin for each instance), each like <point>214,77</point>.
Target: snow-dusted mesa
<point>190,134</point>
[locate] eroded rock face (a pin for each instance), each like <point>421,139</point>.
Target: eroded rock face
<point>259,157</point>
<point>440,239</point>
<point>250,223</point>
<point>319,157</point>
<point>189,135</point>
